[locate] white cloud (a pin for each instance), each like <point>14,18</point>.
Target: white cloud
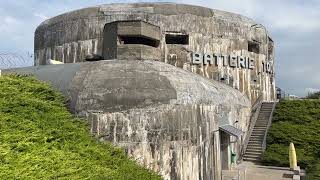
<point>41,16</point>
<point>8,20</point>
<point>8,24</point>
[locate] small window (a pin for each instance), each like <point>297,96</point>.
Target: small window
<point>177,39</point>
<point>138,40</point>
<point>253,47</point>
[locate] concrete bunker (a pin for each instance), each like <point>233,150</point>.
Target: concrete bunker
<point>162,115</point>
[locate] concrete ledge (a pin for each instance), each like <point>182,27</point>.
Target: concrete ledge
<point>296,170</point>
<point>296,177</point>
<point>138,28</point>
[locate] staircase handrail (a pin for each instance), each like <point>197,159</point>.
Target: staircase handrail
<point>264,142</point>
<point>255,110</point>
<point>257,103</point>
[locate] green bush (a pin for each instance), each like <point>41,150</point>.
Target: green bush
<point>40,139</point>
<point>296,121</point>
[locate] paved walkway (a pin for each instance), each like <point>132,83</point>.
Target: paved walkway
<point>251,171</point>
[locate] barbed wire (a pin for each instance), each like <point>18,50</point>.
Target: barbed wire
<point>15,60</point>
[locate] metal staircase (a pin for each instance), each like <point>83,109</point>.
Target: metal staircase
<point>257,140</point>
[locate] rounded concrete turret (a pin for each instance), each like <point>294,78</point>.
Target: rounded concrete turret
<point>219,45</point>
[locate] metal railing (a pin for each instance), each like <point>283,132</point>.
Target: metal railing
<point>264,142</point>
<point>255,110</point>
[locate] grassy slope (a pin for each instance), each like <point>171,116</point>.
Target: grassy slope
<point>296,121</point>
<point>39,138</point>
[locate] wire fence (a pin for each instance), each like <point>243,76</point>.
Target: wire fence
<point>15,60</point>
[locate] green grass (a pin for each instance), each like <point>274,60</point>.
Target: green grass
<point>296,121</point>
<point>40,139</point>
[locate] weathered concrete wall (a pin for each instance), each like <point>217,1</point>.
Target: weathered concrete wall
<point>71,36</point>
<point>165,117</point>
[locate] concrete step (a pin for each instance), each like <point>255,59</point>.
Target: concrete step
<point>255,144</point>
<point>261,124</point>
<point>256,139</point>
<point>262,119</point>
<point>254,150</point>
<point>253,153</point>
<point>253,135</point>
<point>266,115</point>
<point>251,159</point>
<point>258,132</point>
<point>267,103</point>
<point>256,136</point>
<point>260,127</point>
<point>254,147</point>
<point>252,144</point>
<point>257,157</point>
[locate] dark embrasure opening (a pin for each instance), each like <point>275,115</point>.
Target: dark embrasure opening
<point>138,40</point>
<point>177,39</point>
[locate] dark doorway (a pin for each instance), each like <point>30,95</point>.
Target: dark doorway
<point>224,149</point>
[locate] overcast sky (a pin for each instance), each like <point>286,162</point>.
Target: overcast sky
<point>293,24</point>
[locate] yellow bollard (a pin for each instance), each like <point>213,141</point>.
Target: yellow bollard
<point>292,156</point>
